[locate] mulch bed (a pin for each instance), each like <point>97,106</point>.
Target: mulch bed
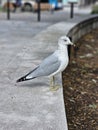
<point>80,81</point>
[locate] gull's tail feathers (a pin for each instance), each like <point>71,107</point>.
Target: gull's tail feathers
<point>27,76</point>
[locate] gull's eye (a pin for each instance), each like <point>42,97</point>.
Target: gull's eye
<point>65,40</point>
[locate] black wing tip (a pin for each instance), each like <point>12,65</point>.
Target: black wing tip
<point>24,79</point>
<point>21,79</point>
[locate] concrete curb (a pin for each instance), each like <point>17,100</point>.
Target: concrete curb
<point>75,30</point>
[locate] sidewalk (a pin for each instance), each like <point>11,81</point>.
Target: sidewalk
<point>29,105</point>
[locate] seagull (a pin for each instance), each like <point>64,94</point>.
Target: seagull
<point>52,65</point>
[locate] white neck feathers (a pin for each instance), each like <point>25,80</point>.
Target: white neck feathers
<point>62,48</point>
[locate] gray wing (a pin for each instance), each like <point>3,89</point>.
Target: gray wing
<point>47,67</point>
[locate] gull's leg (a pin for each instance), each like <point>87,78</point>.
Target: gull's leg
<point>53,87</point>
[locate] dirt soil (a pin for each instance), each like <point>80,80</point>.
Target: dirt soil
<point>80,81</point>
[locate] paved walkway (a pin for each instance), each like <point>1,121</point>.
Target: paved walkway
<point>29,105</point>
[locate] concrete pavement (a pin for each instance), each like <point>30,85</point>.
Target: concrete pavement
<point>29,105</point>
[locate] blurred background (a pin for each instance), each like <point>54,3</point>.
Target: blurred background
<point>30,9</point>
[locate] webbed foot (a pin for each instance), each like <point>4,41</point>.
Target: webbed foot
<point>54,88</point>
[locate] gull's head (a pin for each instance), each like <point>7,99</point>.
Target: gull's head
<point>64,40</point>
